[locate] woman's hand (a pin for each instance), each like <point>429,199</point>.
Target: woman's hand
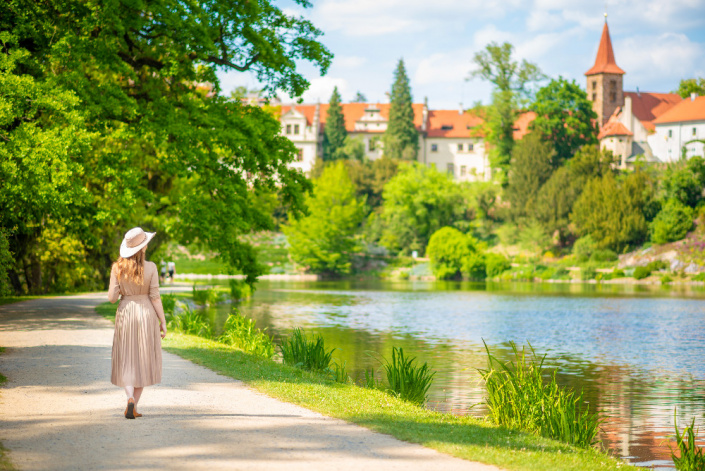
<point>162,328</point>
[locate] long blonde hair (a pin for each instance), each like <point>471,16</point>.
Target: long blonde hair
<point>131,268</point>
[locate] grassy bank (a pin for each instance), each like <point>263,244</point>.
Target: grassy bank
<point>5,463</point>
<point>464,437</point>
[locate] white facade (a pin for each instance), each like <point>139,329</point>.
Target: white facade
<point>304,136</point>
<point>463,158</point>
<point>670,139</point>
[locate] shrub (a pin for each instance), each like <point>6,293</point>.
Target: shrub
<point>240,290</point>
<point>518,397</point>
<point>617,273</point>
<point>604,255</point>
<point>206,297</point>
<point>168,303</point>
<point>657,265</point>
<point>242,333</point>
<point>474,266</point>
<point>665,279</point>
<point>301,352</point>
<point>407,380</point>
<point>453,254</point>
<point>583,248</point>
<point>641,272</point>
<point>671,223</point>
<point>191,322</point>
<point>699,277</point>
<point>496,264</point>
<point>587,272</point>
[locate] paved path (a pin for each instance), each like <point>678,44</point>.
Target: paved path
<point>59,411</point>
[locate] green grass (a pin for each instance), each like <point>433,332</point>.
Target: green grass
<point>241,332</point>
<point>310,354</point>
<point>690,456</point>
<point>519,396</point>
<point>5,464</point>
<point>17,299</point>
<point>461,436</point>
<point>406,379</point>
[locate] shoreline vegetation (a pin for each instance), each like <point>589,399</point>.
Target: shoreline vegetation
<point>327,393</point>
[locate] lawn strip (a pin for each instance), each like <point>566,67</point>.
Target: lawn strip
<point>5,463</point>
<point>461,436</point>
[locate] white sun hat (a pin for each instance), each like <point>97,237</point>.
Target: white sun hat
<point>135,240</point>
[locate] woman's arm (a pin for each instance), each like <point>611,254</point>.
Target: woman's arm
<point>114,288</point>
<point>157,301</point>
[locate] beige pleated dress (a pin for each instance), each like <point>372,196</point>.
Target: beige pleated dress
<point>137,343</point>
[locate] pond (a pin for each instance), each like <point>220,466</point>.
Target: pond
<point>636,351</point>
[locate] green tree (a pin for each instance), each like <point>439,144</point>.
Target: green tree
<point>418,201</point>
<point>510,80</point>
<point>359,98</point>
<point>612,212</point>
<point>556,198</point>
<point>334,134</point>
<point>324,241</point>
<point>671,223</point>
<point>116,114</point>
<point>692,85</point>
<point>530,169</point>
<point>564,116</point>
<point>684,181</point>
<point>401,139</point>
<point>453,254</point>
<point>370,178</point>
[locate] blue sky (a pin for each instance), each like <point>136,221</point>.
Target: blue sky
<point>657,42</point>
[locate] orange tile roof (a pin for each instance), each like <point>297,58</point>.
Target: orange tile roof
<point>521,125</point>
<point>604,61</point>
<point>614,128</point>
<point>686,110</point>
<point>452,123</point>
<point>352,112</point>
<point>646,107</point>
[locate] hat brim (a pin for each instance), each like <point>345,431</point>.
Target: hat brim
<point>127,252</point>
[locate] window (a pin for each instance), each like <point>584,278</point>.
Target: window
<point>463,170</point>
<point>594,84</point>
<point>613,97</point>
<point>460,147</point>
<point>296,128</point>
<point>434,147</point>
<point>613,84</point>
<point>670,133</point>
<point>451,169</point>
<point>300,155</point>
<point>446,127</point>
<point>470,147</point>
<point>695,131</point>
<point>594,96</point>
<point>371,145</point>
<point>288,128</point>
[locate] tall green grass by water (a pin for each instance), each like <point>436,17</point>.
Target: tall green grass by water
<point>191,322</point>
<point>242,333</point>
<point>519,396</point>
<point>309,354</point>
<point>690,456</point>
<point>407,379</point>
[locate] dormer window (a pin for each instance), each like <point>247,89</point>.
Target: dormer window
<point>288,128</point>
<point>296,129</point>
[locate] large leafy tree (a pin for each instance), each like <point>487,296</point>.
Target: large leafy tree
<point>401,139</point>
<point>692,85</point>
<point>334,134</point>
<point>511,82</point>
<point>564,116</point>
<point>418,201</point>
<point>130,127</point>
<point>324,241</point>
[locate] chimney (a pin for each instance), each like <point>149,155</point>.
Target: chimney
<point>693,96</point>
<point>460,109</point>
<point>424,115</point>
<point>627,111</point>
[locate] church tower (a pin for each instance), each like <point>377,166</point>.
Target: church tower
<point>604,80</point>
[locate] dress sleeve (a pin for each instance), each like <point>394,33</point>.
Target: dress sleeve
<point>114,288</point>
<point>155,297</point>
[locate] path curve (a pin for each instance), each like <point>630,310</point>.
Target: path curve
<point>59,411</point>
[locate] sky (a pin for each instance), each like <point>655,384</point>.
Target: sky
<point>657,43</point>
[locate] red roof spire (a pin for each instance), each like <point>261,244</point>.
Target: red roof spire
<point>604,62</point>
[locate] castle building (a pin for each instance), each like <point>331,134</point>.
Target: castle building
<point>634,124</point>
<point>450,140</point>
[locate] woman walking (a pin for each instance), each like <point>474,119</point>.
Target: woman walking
<point>137,346</point>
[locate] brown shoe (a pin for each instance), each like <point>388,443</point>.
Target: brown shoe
<point>130,411</point>
<point>135,413</point>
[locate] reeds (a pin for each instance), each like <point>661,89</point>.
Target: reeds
<point>339,373</point>
<point>191,322</point>
<point>242,333</point>
<point>298,350</point>
<point>406,379</point>
<point>206,297</point>
<point>519,397</point>
<point>691,456</point>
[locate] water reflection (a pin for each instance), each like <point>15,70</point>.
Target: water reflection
<point>635,350</point>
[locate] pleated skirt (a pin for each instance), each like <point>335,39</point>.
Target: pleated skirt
<point>137,344</point>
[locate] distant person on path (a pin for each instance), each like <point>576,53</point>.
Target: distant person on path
<point>162,271</point>
<point>137,346</point>
<point>172,268</point>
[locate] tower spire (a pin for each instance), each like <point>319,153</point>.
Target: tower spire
<point>604,62</point>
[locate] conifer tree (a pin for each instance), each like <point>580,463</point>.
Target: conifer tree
<point>401,140</point>
<point>334,133</point>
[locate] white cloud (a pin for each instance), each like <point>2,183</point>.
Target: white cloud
<point>444,67</point>
<point>349,62</point>
<point>322,88</point>
<point>662,59</point>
